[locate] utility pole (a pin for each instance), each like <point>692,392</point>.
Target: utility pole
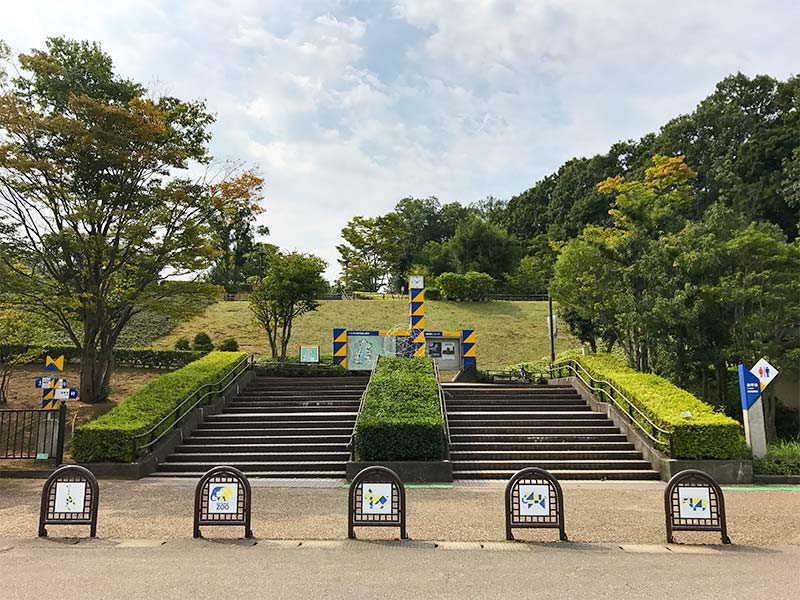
<point>551,331</point>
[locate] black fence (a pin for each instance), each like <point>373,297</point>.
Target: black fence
<point>32,434</point>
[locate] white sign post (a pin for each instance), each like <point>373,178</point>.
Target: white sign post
<point>756,381</point>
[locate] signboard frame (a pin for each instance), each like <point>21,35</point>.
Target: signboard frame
<point>204,516</point>
<point>675,521</point>
<point>69,474</point>
<point>356,515</point>
<point>306,349</point>
<point>534,477</point>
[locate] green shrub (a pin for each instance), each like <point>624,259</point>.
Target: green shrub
<point>401,418</point>
<point>202,342</point>
<point>782,458</point>
<point>228,345</point>
<point>706,434</point>
<point>108,438</point>
<point>143,358</point>
<point>182,344</point>
<point>471,286</point>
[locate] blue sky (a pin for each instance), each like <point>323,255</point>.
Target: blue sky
<point>348,106</point>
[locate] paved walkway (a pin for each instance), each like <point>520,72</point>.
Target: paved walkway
<point>597,512</point>
<point>201,569</point>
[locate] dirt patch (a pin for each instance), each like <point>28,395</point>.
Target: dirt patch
<point>23,394</point>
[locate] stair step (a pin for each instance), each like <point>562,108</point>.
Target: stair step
<point>205,431</point>
<point>526,414</point>
<point>612,474</point>
<point>237,446</point>
<point>459,457</point>
<point>248,466</point>
<point>227,457</point>
<point>511,438</point>
<point>552,465</point>
<point>254,417</point>
<point>290,438</point>
<point>534,430</point>
<point>236,408</point>
<point>297,474</point>
<point>458,446</point>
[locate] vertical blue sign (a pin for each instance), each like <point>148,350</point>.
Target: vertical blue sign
<point>749,387</point>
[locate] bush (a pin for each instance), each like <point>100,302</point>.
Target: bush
<point>202,342</point>
<point>182,344</point>
<point>401,418</point>
<point>108,438</point>
<point>706,434</point>
<point>228,345</point>
<point>782,458</point>
<point>472,286</point>
<point>143,358</point>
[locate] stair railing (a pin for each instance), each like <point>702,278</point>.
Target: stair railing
<point>351,444</point>
<point>443,408</point>
<point>144,443</point>
<point>620,402</point>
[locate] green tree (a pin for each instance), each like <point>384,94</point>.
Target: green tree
<point>17,333</point>
<point>484,247</point>
<point>289,289</point>
<point>92,213</point>
<point>372,250</point>
<point>237,202</point>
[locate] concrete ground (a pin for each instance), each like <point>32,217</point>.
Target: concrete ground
<point>201,569</point>
<point>596,512</point>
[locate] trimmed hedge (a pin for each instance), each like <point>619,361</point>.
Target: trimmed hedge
<point>706,434</point>
<point>143,358</point>
<point>108,438</point>
<point>401,418</point>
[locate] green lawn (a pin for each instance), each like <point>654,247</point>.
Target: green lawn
<point>507,332</point>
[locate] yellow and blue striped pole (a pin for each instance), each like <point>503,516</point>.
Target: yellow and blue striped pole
<point>416,314</point>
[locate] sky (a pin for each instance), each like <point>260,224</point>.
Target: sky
<point>347,106</point>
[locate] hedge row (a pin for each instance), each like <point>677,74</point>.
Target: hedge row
<point>143,358</point>
<point>706,434</point>
<point>401,418</point>
<point>108,438</point>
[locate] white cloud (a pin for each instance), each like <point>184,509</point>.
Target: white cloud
<point>346,116</point>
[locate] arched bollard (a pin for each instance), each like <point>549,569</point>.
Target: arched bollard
<point>377,498</point>
<point>693,501</point>
<point>223,497</point>
<point>70,497</point>
<point>534,500</point>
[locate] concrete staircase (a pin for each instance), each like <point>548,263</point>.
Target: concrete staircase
<point>496,430</point>
<point>277,427</point>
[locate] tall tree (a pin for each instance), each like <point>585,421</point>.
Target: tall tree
<point>237,202</point>
<point>288,290</point>
<point>372,248</point>
<point>92,214</point>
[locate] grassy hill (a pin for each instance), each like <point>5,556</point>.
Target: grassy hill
<point>507,332</point>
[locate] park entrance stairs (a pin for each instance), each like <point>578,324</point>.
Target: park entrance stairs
<point>495,430</point>
<point>277,427</point>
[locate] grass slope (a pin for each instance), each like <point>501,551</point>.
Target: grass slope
<point>507,332</point>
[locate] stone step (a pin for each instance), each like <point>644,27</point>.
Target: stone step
<point>286,436</point>
<point>237,408</point>
<point>237,446</point>
<point>456,408</point>
<point>524,415</point>
<point>534,430</point>
<point>296,474</point>
<point>551,465</point>
<point>223,458</point>
<point>505,455</point>
<point>248,466</point>
<point>458,446</point>
<point>253,417</point>
<point>607,475</point>
<point>205,431</point>
<point>545,438</point>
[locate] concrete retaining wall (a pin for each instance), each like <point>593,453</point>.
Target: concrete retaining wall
<point>409,471</point>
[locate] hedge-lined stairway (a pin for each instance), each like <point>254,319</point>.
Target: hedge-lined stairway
<point>496,430</point>
<point>276,427</point>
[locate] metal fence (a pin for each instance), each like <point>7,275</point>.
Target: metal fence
<point>32,433</point>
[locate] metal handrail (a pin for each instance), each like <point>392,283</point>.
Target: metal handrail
<point>185,408</point>
<point>608,390</point>
<point>351,444</point>
<point>443,408</point>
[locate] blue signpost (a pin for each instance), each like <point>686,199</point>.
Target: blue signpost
<point>752,384</point>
